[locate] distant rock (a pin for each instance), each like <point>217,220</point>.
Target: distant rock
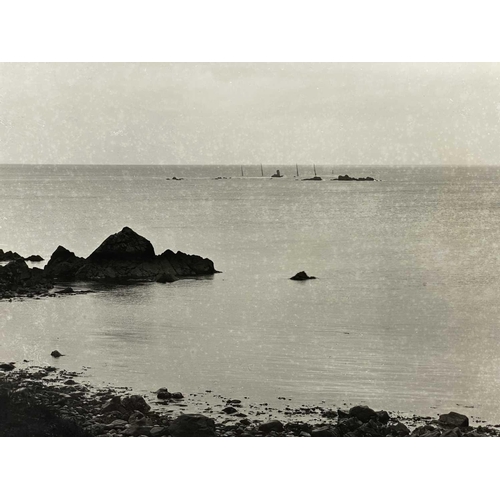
<point>302,276</point>
<point>453,419</point>
<point>9,255</point>
<point>315,178</point>
<point>192,425</point>
<point>348,178</point>
<point>34,258</point>
<point>7,367</point>
<point>56,354</point>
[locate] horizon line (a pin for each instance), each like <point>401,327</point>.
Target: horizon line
<point>244,165</point>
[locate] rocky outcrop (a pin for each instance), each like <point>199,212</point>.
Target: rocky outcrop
<point>17,279</point>
<point>9,255</point>
<point>63,264</point>
<point>127,256</point>
<point>302,276</point>
<point>34,258</point>
<point>125,245</point>
<point>348,178</point>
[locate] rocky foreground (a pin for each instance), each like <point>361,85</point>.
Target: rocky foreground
<point>124,256</point>
<point>45,401</point>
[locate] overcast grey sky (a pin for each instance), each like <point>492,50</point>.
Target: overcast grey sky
<point>271,113</point>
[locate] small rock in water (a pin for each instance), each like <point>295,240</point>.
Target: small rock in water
<point>7,367</point>
<point>229,410</point>
<point>302,276</point>
<point>56,354</point>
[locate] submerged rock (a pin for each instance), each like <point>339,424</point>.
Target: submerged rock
<point>302,276</point>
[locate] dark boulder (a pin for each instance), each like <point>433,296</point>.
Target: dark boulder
<point>192,425</point>
<point>363,413</point>
<point>114,405</point>
<point>56,354</point>
<point>383,416</point>
<point>7,367</point>
<point>453,419</point>
<point>302,276</point>
<point>398,429</point>
<point>230,410</point>
<point>271,426</point>
<point>135,403</point>
<point>34,258</point>
<point>63,264</point>
<point>15,272</point>
<point>125,245</point>
<point>9,255</point>
<point>163,393</point>
<point>324,431</point>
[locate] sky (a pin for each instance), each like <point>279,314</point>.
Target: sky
<point>250,113</point>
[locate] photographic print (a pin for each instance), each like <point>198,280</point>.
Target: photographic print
<point>249,249</point>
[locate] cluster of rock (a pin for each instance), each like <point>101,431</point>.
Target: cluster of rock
<point>122,256</point>
<point>126,256</point>
<point>17,279</point>
<point>79,409</point>
<point>10,255</point>
<point>348,178</point>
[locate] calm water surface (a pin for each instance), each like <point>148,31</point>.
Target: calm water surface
<point>403,316</point>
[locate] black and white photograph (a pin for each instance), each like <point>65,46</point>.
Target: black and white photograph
<point>224,248</point>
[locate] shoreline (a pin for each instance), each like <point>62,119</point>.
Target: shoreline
<point>52,402</point>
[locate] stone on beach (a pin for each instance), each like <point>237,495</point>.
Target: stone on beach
<point>192,425</point>
<point>363,413</point>
<point>454,419</point>
<point>271,426</point>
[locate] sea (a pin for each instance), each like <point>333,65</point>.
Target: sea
<point>403,316</point>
